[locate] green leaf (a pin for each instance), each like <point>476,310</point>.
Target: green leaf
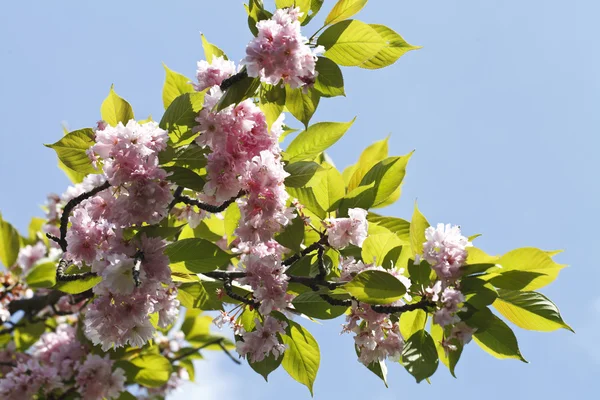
<point>377,246</point>
<point>330,81</point>
<point>35,230</point>
<point>369,157</point>
<point>115,109</point>
<point>513,280</point>
<point>180,117</point>
<point>449,359</point>
<point>398,226</point>
<point>238,92</point>
<point>185,177</point>
<point>494,336</point>
<point>311,304</point>
<point>231,220</point>
<point>387,175</point>
<point>300,173</point>
<point>420,274</point>
<point>531,260</point>
<point>175,85</point>
<point>272,102</point>
<point>211,51</point>
<point>344,9</point>
<point>418,225</point>
<point>266,366</point>
<point>301,105</point>
<point>315,6</point>
<point>197,255</point>
<point>375,287</point>
<point>478,293</point>
<point>200,295</point>
<point>361,197</point>
<point>419,355</point>
<point>42,275</point>
<point>328,187</point>
<point>302,357</point>
<point>395,47</point>
<point>9,243</point>
<point>530,310</point>
<point>306,196</point>
<point>315,139</point>
<point>79,285</point>
<point>196,326</point>
<point>71,151</point>
<point>293,235</point>
<point>25,336</point>
<point>192,156</point>
<point>256,12</point>
<point>412,322</point>
<point>351,43</point>
<point>151,370</point>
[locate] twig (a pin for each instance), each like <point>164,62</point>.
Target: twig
<point>315,246</point>
<point>421,305</point>
<point>138,257</point>
<point>218,342</point>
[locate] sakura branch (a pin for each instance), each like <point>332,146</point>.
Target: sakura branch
<point>181,198</point>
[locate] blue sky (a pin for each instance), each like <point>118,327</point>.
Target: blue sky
<point>500,105</point>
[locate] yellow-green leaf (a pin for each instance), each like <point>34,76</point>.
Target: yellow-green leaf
<point>375,287</point>
<point>302,358</point>
<point>9,243</point>
<point>351,42</point>
<point>115,109</point>
<point>529,310</point>
<point>175,85</point>
<point>418,225</point>
<point>395,47</point>
<point>344,9</point>
<point>211,51</point>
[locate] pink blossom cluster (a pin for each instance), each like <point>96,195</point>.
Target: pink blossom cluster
<point>57,361</point>
<point>121,313</point>
<point>61,350</point>
<point>445,250</point>
<point>376,336</point>
<point>265,275</point>
<point>28,379</point>
<point>245,156</point>
<point>130,163</point>
<point>449,300</point>
<point>29,255</point>
<point>213,74</point>
<point>279,53</point>
<point>97,380</point>
<point>262,341</point>
<point>342,232</point>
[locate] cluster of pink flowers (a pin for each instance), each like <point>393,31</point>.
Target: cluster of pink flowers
<point>139,193</point>
<point>213,74</point>
<point>450,300</point>
<point>96,379</point>
<point>245,157</point>
<point>262,341</point>
<point>130,164</point>
<point>120,315</point>
<point>29,255</point>
<point>445,250</point>
<point>342,232</point>
<point>280,54</point>
<point>57,360</point>
<point>265,275</point>
<point>376,336</point>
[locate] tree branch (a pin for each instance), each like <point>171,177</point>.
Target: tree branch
<point>180,198</point>
<point>315,246</point>
<point>64,218</point>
